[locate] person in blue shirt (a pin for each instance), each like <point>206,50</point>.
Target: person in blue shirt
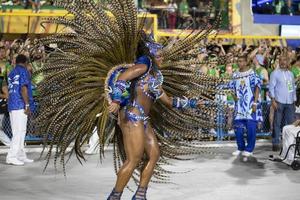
<point>20,105</point>
<point>246,87</point>
<point>283,94</point>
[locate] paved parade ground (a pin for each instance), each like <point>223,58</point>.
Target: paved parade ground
<point>214,177</point>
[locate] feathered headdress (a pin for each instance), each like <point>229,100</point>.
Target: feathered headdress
<point>153,46</point>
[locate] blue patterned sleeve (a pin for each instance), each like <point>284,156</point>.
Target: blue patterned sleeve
<point>258,81</point>
<point>24,78</point>
<point>255,81</point>
<point>231,84</point>
<point>144,60</point>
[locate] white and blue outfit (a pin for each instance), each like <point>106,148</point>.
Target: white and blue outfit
<point>244,85</point>
<point>18,78</point>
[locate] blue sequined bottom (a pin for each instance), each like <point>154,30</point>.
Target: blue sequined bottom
<point>133,117</point>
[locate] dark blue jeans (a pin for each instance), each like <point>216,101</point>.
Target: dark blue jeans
<point>284,115</point>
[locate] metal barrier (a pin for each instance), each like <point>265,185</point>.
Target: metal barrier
<point>263,130</point>
<point>30,135</point>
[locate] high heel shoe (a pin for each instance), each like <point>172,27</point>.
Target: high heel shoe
<point>140,194</point>
<point>114,195</point>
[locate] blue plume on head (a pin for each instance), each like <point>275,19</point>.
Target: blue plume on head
<point>153,46</point>
<point>151,36</point>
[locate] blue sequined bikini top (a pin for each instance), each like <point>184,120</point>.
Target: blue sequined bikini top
<point>150,84</point>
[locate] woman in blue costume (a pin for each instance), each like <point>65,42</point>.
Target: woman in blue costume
<point>140,96</point>
<point>145,83</point>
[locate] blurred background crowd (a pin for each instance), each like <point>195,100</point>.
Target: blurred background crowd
<point>263,58</point>
<point>221,52</point>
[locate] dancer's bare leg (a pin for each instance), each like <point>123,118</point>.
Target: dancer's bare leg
<point>152,151</point>
<point>134,142</point>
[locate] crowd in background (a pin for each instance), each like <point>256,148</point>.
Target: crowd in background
<point>34,4</point>
<point>277,7</point>
<point>182,14</point>
<point>217,60</point>
<point>9,50</point>
<point>263,59</point>
<point>179,14</point>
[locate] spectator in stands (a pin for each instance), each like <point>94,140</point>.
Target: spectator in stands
<point>20,105</point>
<point>246,83</point>
<point>262,73</point>
<point>26,4</point>
<point>36,5</point>
<point>184,7</point>
<point>51,2</point>
<point>297,11</point>
<point>3,97</point>
<point>283,95</point>
<point>296,72</point>
<point>228,71</point>
<point>288,9</point>
<point>230,59</point>
<point>193,4</point>
<point>172,14</point>
<point>259,62</point>
<point>183,13</point>
<point>278,5</point>
<point>3,110</point>
<point>213,70</point>
<point>296,68</point>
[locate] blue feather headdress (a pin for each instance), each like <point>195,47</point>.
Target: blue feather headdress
<point>153,46</point>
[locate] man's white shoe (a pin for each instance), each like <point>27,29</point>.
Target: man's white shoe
<point>6,143</point>
<point>4,139</point>
<point>247,154</point>
<point>14,161</point>
<point>26,160</point>
<point>236,153</point>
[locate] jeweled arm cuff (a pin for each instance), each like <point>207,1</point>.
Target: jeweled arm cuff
<point>118,90</point>
<point>181,103</point>
<point>121,85</point>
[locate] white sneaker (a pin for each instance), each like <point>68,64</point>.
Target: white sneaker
<point>247,154</point>
<point>236,153</point>
<point>14,161</point>
<point>5,143</point>
<point>4,139</point>
<point>26,160</point>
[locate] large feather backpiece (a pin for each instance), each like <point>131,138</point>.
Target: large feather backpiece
<point>72,94</point>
